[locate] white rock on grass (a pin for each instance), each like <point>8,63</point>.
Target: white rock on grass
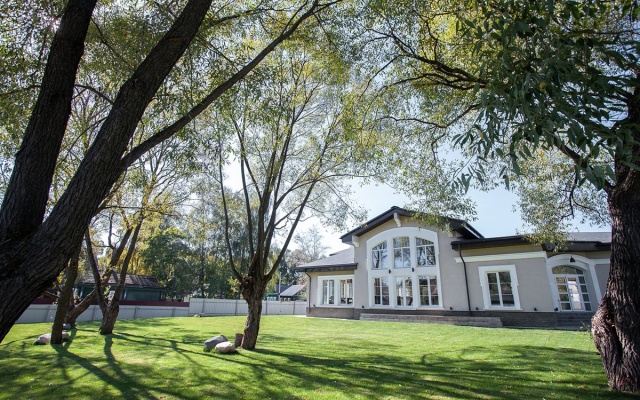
<point>46,338</point>
<point>225,347</point>
<point>211,343</point>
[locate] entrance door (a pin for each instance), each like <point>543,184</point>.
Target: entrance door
<point>572,290</point>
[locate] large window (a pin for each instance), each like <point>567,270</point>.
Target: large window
<point>404,291</point>
<point>403,268</point>
<point>571,284</point>
<point>401,252</point>
<point>499,287</point>
<point>425,252</point>
<point>381,291</point>
<point>346,291</point>
<point>336,290</point>
<point>379,256</point>
<point>428,290</point>
<point>328,292</point>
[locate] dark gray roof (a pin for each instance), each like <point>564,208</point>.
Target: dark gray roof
<point>576,241</point>
<point>462,227</point>
<point>292,290</point>
<point>343,260</point>
<point>603,237</point>
<point>140,281</point>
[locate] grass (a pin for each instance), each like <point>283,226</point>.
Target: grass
<point>302,358</point>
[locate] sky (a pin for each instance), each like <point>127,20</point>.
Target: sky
<point>495,213</point>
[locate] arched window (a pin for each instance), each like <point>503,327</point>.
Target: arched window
<point>379,256</point>
<point>426,252</point>
<point>403,268</point>
<point>566,269</point>
<point>572,288</point>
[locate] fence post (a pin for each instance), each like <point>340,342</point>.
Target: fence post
<point>266,307</point>
<point>203,300</point>
<point>294,307</point>
<point>135,312</point>
<point>235,313</point>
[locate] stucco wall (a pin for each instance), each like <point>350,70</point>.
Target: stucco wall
<point>535,284</point>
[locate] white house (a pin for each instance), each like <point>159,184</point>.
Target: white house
<point>397,267</point>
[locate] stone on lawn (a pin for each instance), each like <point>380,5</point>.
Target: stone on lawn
<point>225,347</point>
<point>46,338</point>
<point>211,343</point>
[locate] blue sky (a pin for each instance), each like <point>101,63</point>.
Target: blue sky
<point>496,216</point>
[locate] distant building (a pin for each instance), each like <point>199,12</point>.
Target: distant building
<point>136,287</point>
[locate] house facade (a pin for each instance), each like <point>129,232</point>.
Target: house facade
<point>395,265</point>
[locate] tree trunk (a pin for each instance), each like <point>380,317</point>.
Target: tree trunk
<point>615,326</point>
<point>110,313</point>
<point>110,316</point>
<point>32,252</point>
<point>78,309</point>
<point>65,299</point>
<point>253,293</point>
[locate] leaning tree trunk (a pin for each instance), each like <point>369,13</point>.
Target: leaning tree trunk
<point>110,313</point>
<point>616,324</point>
<point>65,299</point>
<point>77,309</point>
<point>253,294</point>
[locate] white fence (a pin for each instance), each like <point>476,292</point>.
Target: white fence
<point>239,307</point>
<point>47,312</point>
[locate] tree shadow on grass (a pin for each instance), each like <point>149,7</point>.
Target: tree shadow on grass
<point>526,371</point>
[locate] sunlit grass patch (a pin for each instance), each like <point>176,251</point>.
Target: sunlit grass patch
<point>302,358</point>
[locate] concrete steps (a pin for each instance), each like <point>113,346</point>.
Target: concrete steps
<point>489,322</point>
<point>574,320</point>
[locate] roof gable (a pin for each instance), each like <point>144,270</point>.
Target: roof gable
<point>462,227</point>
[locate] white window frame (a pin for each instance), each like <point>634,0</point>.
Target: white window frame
<point>484,283</point>
<point>587,265</point>
<point>414,271</point>
<point>336,290</point>
<point>419,295</point>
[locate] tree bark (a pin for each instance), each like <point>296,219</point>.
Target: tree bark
<point>111,311</point>
<point>253,293</point>
<point>25,200</point>
<point>65,299</point>
<point>78,309</point>
<point>616,324</point>
<point>31,258</point>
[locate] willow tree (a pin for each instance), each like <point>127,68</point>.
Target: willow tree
<point>284,129</point>
<point>36,244</point>
<point>506,79</point>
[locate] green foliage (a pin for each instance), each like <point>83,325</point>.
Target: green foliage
<point>166,255</point>
<point>563,79</point>
<point>467,93</point>
<point>299,358</point>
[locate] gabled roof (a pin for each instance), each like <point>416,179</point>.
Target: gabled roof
<point>343,260</point>
<point>462,227</point>
<point>576,241</point>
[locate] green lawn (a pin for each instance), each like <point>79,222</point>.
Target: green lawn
<point>302,358</point>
